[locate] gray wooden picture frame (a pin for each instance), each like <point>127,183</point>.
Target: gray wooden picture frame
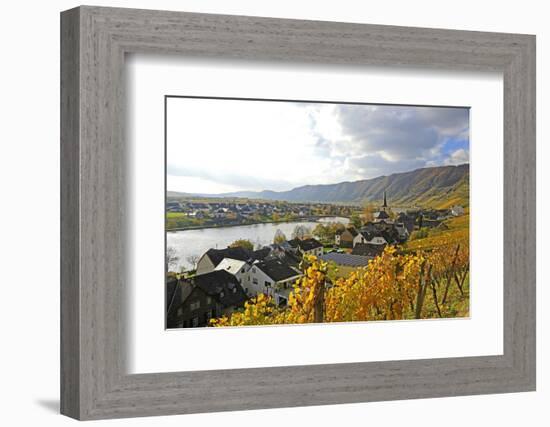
<point>94,41</point>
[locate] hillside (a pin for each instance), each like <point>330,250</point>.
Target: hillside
<point>438,187</point>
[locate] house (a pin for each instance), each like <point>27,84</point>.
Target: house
<point>237,268</point>
<point>431,223</point>
<point>402,231</point>
<point>220,213</point>
<point>212,257</point>
<point>368,250</point>
<point>371,237</point>
<point>407,220</point>
<point>211,295</point>
<point>382,214</point>
<point>344,238</point>
<point>173,207</point>
<point>272,277</point>
<point>307,246</point>
<point>176,292</point>
<point>346,263</point>
<point>457,210</point>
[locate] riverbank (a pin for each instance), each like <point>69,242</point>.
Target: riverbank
<point>282,221</point>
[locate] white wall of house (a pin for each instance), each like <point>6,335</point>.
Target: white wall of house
<point>378,240</point>
<point>256,281</point>
<point>315,252</point>
<point>205,265</point>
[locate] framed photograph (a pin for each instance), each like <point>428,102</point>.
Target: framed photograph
<point>291,213</point>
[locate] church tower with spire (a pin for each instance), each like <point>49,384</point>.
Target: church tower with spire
<point>385,205</point>
<point>382,214</point>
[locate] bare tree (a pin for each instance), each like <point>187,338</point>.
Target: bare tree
<point>193,260</point>
<point>301,232</point>
<point>172,257</point>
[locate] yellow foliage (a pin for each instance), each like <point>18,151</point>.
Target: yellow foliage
<point>392,286</point>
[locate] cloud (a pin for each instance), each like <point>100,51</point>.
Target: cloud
<point>373,165</point>
<point>400,133</point>
<point>215,145</point>
<point>229,178</point>
<point>458,157</point>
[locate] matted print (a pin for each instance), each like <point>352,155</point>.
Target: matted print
<point>294,212</point>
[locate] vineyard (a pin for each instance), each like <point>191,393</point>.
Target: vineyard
<point>429,280</point>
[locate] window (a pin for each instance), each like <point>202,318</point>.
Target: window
<point>235,290</point>
<point>195,305</point>
<point>208,300</point>
<point>195,322</point>
<point>253,270</point>
<point>255,281</point>
<point>267,284</point>
<point>222,294</point>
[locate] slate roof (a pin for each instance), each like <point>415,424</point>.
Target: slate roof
<point>176,292</point>
<point>287,257</point>
<point>390,235</point>
<point>260,254</point>
<point>367,249</point>
<point>171,289</point>
<point>277,269</point>
<point>305,244</point>
<point>351,230</point>
<point>381,215</point>
<point>217,255</point>
<point>220,285</point>
<point>347,260</point>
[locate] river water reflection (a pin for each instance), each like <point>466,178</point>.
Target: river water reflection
<point>196,242</point>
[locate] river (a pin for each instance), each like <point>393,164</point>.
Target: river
<point>196,242</point>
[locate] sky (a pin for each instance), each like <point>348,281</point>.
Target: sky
<point>217,146</point>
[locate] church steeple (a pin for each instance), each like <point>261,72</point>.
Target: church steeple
<point>385,205</point>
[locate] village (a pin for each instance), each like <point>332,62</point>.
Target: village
<point>224,279</point>
<point>188,213</point>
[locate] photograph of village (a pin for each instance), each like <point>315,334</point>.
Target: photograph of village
<point>281,212</point>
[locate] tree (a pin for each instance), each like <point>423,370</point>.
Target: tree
<point>193,260</point>
<point>242,243</point>
<point>391,286</point>
<point>355,220</point>
<point>326,232</point>
<point>368,213</point>
<point>301,232</point>
<point>171,258</point>
<point>279,237</point>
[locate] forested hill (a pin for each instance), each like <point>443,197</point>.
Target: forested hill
<point>441,186</point>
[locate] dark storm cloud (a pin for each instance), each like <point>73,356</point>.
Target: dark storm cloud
<point>401,133</point>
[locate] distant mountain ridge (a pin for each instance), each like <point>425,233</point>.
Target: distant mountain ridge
<point>440,186</point>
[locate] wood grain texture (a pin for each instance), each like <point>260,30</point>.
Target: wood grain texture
<point>94,381</point>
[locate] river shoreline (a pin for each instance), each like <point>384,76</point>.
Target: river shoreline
<point>303,219</point>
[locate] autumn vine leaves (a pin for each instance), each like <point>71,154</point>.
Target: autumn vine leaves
<point>394,285</point>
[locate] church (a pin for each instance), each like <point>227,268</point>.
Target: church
<point>382,213</point>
